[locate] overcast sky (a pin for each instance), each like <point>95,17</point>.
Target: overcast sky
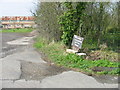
<point>16,7</point>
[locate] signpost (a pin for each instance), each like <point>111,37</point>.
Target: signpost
<point>76,45</point>
<point>77,42</point>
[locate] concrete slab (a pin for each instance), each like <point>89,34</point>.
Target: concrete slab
<point>0,84</point>
<point>7,84</point>
<point>111,85</point>
<point>21,41</point>
<point>27,84</point>
<point>73,79</point>
<point>30,55</point>
<point>11,69</point>
<point>21,84</point>
<point>0,68</point>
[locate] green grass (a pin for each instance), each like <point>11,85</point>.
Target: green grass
<point>56,53</point>
<point>23,30</point>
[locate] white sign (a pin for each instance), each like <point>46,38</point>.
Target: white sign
<point>77,42</point>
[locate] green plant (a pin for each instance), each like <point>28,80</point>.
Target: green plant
<point>70,21</point>
<point>102,72</point>
<point>56,53</point>
<point>116,71</point>
<point>39,43</point>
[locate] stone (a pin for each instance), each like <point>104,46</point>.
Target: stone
<point>70,51</point>
<point>80,54</point>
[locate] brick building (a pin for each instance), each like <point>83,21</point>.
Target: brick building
<point>8,22</point>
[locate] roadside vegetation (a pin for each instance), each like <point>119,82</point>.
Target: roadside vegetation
<point>96,22</point>
<point>21,30</point>
<point>56,53</point>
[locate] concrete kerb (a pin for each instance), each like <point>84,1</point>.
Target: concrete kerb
<point>0,63</point>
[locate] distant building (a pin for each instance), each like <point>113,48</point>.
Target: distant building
<point>9,22</point>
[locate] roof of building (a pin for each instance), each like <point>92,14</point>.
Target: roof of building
<point>8,18</point>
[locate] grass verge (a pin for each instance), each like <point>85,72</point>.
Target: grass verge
<point>56,53</point>
<point>22,30</point>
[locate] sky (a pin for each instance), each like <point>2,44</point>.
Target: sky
<point>17,7</point>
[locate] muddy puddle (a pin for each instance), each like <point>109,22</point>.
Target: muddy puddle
<point>38,71</point>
